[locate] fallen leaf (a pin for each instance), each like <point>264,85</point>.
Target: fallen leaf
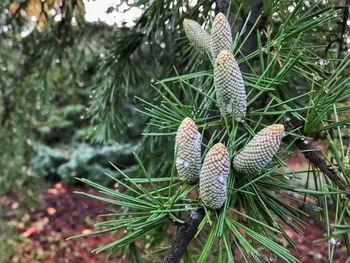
<point>30,231</point>
<point>51,210</point>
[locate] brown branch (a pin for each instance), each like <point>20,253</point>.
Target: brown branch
<point>321,165</point>
<point>184,236</point>
<point>311,155</point>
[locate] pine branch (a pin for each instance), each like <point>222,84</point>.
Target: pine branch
<point>311,155</point>
<point>318,162</point>
<point>184,236</point>
<point>187,231</point>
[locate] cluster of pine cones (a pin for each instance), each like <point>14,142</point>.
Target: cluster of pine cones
<point>230,96</point>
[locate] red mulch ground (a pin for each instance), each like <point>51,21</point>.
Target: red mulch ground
<point>65,213</point>
<point>309,251</point>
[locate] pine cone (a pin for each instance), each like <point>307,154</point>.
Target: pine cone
<point>188,150</point>
<point>229,85</point>
<point>346,165</point>
<point>220,34</point>
<point>260,150</point>
<point>198,37</point>
<point>213,177</point>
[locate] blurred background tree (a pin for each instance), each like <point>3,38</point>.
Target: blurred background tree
<point>66,81</point>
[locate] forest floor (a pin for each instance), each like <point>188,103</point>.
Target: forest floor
<point>64,213</point>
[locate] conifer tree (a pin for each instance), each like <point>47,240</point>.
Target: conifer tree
<point>293,87</point>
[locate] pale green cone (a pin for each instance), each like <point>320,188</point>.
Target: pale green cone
<point>188,150</point>
<point>213,177</point>
<point>229,85</point>
<point>198,37</point>
<point>260,150</point>
<point>220,35</point>
<point>346,165</point>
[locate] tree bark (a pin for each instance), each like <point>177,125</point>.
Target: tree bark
<point>184,236</point>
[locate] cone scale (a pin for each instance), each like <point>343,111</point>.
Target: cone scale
<point>346,165</point>
<point>213,177</point>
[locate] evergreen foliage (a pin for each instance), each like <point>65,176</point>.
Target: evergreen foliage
<point>147,79</point>
<point>285,77</point>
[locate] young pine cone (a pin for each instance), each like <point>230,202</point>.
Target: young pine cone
<point>229,85</point>
<point>346,165</point>
<point>198,37</point>
<point>260,150</point>
<point>213,177</point>
<point>221,35</point>
<point>188,150</point>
